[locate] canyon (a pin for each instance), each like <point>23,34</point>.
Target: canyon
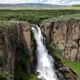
<point>17,45</point>
<point>66,35</point>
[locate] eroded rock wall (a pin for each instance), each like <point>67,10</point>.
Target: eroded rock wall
<point>15,41</point>
<point>66,35</point>
<point>17,44</point>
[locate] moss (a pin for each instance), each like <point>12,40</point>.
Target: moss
<point>20,69</point>
<point>3,75</point>
<point>2,78</point>
<point>74,65</point>
<point>33,77</point>
<point>54,51</point>
<point>21,75</point>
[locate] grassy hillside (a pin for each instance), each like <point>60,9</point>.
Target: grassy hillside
<point>30,6</point>
<point>72,8</point>
<point>34,16</point>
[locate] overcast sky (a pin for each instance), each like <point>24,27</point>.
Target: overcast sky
<point>42,1</point>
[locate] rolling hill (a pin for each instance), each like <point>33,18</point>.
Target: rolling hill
<point>31,6</point>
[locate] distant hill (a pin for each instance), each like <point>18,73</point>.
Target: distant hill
<point>76,5</point>
<point>31,5</point>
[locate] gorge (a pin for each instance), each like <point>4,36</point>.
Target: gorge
<point>18,52</point>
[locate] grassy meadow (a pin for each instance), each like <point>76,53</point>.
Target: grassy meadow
<point>35,16</point>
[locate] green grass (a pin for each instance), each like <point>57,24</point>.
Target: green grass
<point>72,8</point>
<point>64,17</point>
<point>34,16</point>
<point>74,65</point>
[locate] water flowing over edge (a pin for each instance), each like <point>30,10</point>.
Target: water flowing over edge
<point>45,65</point>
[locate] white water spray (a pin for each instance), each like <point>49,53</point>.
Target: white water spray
<point>45,66</point>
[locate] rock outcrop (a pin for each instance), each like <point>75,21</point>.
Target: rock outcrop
<point>66,35</point>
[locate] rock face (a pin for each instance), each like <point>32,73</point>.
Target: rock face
<point>15,41</point>
<point>66,35</point>
<point>17,45</point>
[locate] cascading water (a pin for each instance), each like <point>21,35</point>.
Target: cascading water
<point>45,66</point>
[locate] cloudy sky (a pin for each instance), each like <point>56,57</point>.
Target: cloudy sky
<point>42,1</point>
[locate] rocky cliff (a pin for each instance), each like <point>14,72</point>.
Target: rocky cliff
<point>17,46</point>
<point>66,35</point>
<point>15,49</point>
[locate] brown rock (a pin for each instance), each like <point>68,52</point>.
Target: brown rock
<point>66,35</point>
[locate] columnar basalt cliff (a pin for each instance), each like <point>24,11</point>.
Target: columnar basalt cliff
<point>17,46</point>
<point>66,35</point>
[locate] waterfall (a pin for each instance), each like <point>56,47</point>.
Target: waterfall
<point>45,67</point>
